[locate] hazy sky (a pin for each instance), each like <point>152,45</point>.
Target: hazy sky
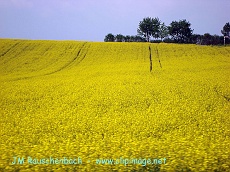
<point>91,20</point>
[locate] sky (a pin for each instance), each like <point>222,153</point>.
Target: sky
<point>92,20</point>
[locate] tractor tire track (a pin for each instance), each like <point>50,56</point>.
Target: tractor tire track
<point>23,49</point>
<point>79,59</point>
<point>158,57</point>
<point>4,61</point>
<point>150,59</point>
<point>4,53</point>
<point>63,67</point>
<point>225,96</point>
<point>71,62</point>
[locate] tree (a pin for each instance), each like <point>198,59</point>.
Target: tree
<point>206,39</point>
<point>226,30</point>
<point>132,38</point>
<point>146,28</point>
<point>156,28</point>
<point>149,27</point>
<point>109,38</point>
<point>195,39</point>
<point>216,39</point>
<point>119,38</point>
<point>180,31</point>
<point>139,39</point>
<point>127,38</point>
<point>163,31</point>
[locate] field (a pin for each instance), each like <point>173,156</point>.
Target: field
<point>114,101</point>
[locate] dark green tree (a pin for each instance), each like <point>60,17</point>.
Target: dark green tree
<point>163,31</point>
<point>119,38</point>
<point>226,29</point>
<point>146,28</point>
<point>132,39</point>
<point>180,31</point>
<point>156,28</point>
<point>196,39</point>
<point>206,39</point>
<point>109,38</point>
<point>216,39</point>
<point>127,38</point>
<point>138,38</point>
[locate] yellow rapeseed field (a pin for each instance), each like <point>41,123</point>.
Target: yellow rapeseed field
<point>88,106</point>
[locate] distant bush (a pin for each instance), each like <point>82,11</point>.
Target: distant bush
<point>168,40</point>
<point>155,41</point>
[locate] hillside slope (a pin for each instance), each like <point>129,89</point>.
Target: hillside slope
<point>111,100</point>
<point>38,58</point>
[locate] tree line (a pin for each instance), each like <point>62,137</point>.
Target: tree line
<point>153,30</point>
